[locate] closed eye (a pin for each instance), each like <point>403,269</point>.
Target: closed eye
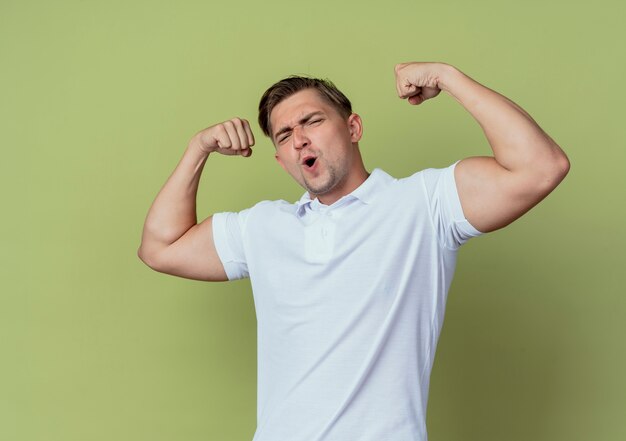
<point>283,138</point>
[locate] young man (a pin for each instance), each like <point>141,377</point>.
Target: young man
<point>350,282</point>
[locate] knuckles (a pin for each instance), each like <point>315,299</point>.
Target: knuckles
<point>232,135</point>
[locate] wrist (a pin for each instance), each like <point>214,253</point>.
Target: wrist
<point>198,147</point>
<point>448,74</point>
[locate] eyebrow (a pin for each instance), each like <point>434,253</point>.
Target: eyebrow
<point>302,120</point>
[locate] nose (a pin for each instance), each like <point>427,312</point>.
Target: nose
<point>300,140</point>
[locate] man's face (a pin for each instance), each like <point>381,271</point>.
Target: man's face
<point>314,143</point>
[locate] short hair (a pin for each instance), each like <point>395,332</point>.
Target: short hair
<point>288,86</point>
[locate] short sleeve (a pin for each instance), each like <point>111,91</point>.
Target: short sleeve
<point>228,236</point>
<point>453,229</point>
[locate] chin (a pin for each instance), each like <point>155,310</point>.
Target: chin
<point>322,187</point>
<point>320,190</point>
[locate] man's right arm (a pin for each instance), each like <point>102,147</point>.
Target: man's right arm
<point>173,242</point>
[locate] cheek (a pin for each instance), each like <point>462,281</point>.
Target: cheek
<point>338,139</point>
<point>279,160</point>
<point>289,164</point>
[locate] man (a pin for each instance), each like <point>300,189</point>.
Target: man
<point>350,283</point>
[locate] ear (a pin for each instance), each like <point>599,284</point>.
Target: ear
<point>356,127</point>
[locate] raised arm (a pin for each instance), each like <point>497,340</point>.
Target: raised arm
<point>526,165</point>
<point>172,241</point>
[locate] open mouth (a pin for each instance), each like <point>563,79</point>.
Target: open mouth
<point>309,161</point>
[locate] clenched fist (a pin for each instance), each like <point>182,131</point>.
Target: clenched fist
<point>419,81</point>
<point>232,137</point>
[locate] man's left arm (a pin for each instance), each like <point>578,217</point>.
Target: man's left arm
<point>526,165</point>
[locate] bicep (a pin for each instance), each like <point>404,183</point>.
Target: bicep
<point>491,196</point>
<point>193,255</point>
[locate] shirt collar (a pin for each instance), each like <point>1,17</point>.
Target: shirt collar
<point>365,192</point>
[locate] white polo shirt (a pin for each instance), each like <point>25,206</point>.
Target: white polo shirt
<point>350,302</point>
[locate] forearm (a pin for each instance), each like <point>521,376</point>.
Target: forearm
<point>173,211</point>
<point>518,143</point>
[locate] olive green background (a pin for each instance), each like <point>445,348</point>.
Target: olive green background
<point>98,101</point>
